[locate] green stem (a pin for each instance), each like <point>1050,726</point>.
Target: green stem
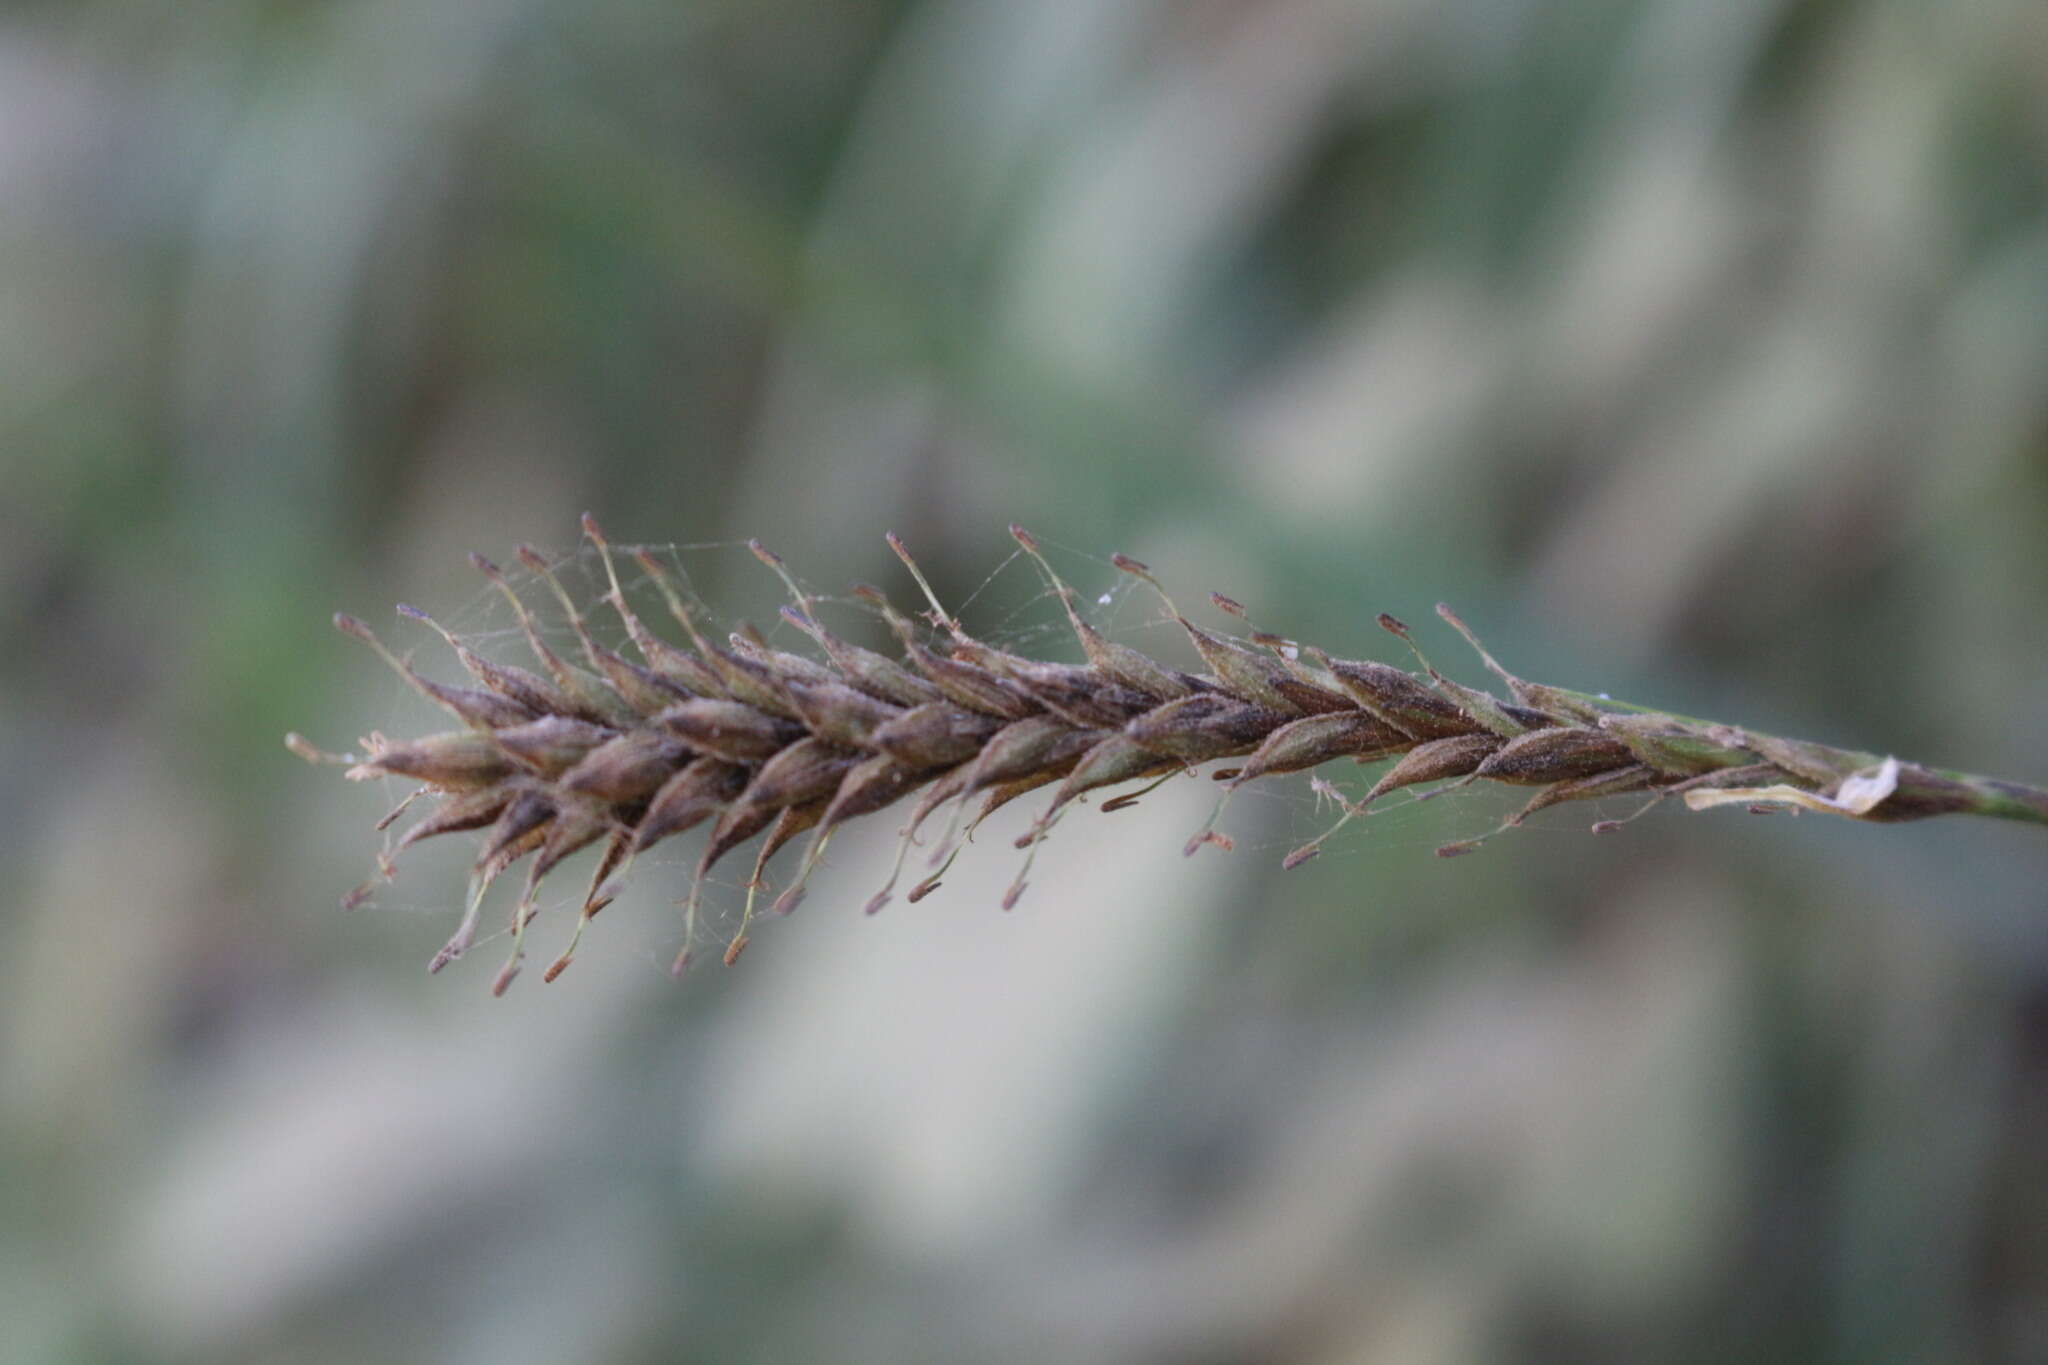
<point>1675,744</point>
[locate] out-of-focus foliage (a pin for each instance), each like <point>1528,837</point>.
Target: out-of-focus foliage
<point>1699,352</point>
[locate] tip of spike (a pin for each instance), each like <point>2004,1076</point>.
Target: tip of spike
<point>1023,538</point>
<point>734,949</point>
<point>1013,895</point>
<point>1298,857</point>
<point>922,889</point>
<point>875,903</point>
<point>1393,625</point>
<point>306,749</point>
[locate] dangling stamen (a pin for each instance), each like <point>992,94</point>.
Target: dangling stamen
<point>1208,834</point>
<point>390,817</point>
<point>519,830</point>
<point>1352,811</point>
<point>1244,672</point>
<point>905,837</point>
<point>479,710</point>
<point>643,692</point>
<point>940,616</point>
<point>536,694</point>
<point>690,904</point>
<point>1483,709</point>
<point>996,800</point>
<point>664,584</point>
<point>1031,841</point>
<point>668,662</point>
<point>618,854</point>
<point>739,941</point>
<point>537,564</point>
<point>1120,662</point>
<point>787,902</point>
<point>521,913</point>
<point>1131,799</point>
<point>588,694</point>
<point>465,932</point>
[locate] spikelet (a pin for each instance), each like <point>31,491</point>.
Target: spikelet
<point>757,742</point>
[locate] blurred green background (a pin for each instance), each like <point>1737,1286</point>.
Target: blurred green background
<point>1697,351</point>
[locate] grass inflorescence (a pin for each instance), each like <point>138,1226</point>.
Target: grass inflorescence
<point>626,752</point>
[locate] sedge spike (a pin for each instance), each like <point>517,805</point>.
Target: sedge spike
<point>763,743</point>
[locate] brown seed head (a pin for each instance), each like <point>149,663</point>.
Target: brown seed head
<point>759,741</point>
